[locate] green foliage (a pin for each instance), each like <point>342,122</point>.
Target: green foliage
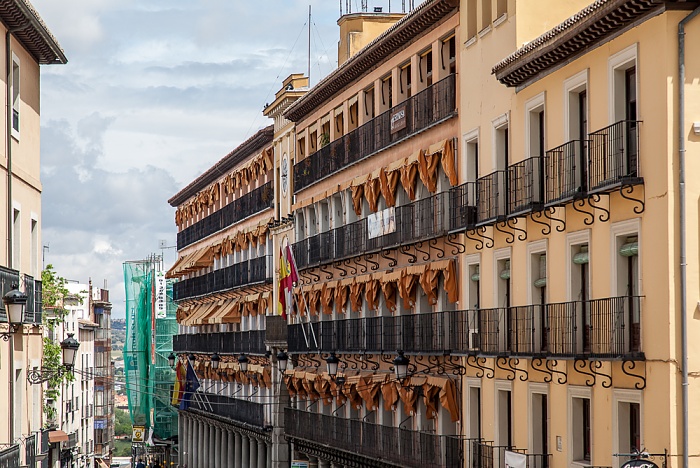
<point>122,448</point>
<point>122,423</point>
<point>54,291</point>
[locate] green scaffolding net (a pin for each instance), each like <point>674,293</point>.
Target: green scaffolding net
<point>149,379</point>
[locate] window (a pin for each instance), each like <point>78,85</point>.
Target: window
<point>449,54</point>
<point>485,14</point>
<point>15,95</point>
<point>474,408</point>
<point>16,239</point>
<point>301,148</point>
<point>471,146</point>
<point>623,85</point>
<point>626,282</point>
<point>425,69</point>
<point>369,103</point>
<point>627,423</point>
<point>501,145</point>
<point>537,278</point>
<point>501,8</point>
<point>386,101</point>
<point>34,267</point>
<point>405,81</point>
<point>581,428</point>
<point>471,19</point>
<point>539,418</point>
<point>504,416</point>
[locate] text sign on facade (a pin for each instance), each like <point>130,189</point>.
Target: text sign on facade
<point>398,119</point>
<point>381,223</point>
<point>640,464</point>
<point>161,311</point>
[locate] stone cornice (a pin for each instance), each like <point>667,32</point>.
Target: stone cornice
<point>23,21</point>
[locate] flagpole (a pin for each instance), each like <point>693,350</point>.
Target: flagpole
<point>306,306</point>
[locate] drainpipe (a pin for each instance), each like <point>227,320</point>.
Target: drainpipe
<point>682,206</point>
<point>8,136</point>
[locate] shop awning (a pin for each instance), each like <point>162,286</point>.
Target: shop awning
<point>57,436</point>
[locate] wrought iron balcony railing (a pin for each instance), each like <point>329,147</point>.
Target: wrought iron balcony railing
<point>491,196</point>
<point>486,455</point>
<point>525,185</point>
<point>248,342</point>
<point>252,202</point>
<point>422,110</point>
<point>235,409</point>
<point>462,206</point>
<point>600,328</point>
<point>402,447</point>
<point>420,220</point>
<point>565,171</point>
<point>255,270</point>
<point>614,155</point>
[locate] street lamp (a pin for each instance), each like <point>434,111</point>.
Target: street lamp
<point>282,361</point>
<point>333,362</point>
<point>69,346</point>
<point>401,363</point>
<point>215,360</point>
<point>192,358</point>
<point>243,362</point>
<point>14,302</point>
<point>171,360</point>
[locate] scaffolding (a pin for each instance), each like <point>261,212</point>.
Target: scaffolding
<point>149,378</point>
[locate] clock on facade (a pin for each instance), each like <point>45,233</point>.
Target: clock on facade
<point>285,174</point>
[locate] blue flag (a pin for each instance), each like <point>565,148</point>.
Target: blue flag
<point>191,386</point>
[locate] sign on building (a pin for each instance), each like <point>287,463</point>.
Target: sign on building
<point>398,118</point>
<point>138,433</point>
<point>161,311</point>
<point>515,460</point>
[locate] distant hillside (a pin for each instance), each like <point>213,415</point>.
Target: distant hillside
<point>118,324</point>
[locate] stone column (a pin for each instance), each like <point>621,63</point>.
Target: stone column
<point>253,453</point>
<point>238,451</point>
<point>212,446</point>
<point>182,436</point>
<point>262,454</point>
<point>217,447</point>
<point>269,455</point>
<point>245,452</point>
<point>191,443</point>
<point>230,444</point>
<point>199,449</point>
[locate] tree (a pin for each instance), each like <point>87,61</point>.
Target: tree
<point>54,291</point>
<point>122,423</point>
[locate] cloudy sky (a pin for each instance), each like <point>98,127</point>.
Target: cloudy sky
<point>154,93</point>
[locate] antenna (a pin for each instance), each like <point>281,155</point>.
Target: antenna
<point>44,249</point>
<point>308,56</point>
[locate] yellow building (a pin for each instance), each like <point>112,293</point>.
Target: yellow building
<point>570,148</point>
<point>27,44</point>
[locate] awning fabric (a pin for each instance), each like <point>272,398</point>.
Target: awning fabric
<point>57,436</point>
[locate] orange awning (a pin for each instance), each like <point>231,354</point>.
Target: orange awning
<point>57,436</point>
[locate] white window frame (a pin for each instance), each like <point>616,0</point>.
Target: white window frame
<point>540,389</point>
<point>502,385</point>
<point>472,382</point>
<point>531,105</point>
<point>572,239</point>
<point>18,104</point>
<point>497,124</point>
<point>617,61</point>
<point>619,229</point>
<point>574,84</point>
<point>470,137</point>
<point>536,247</point>
<point>625,396</point>
<point>498,255</point>
<point>578,392</point>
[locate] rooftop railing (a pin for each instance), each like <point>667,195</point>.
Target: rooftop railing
<point>422,110</point>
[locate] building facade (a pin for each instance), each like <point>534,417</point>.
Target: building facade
<point>103,376</point>
<point>224,297</point>
<point>493,194</point>
<point>27,44</point>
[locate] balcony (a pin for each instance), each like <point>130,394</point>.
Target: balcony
<point>423,110</point>
<point>601,328</point>
<point>565,172</point>
<point>249,342</point>
<point>525,186</point>
<point>355,437</point>
<point>235,409</point>
<point>247,205</point>
<point>485,454</point>
<point>421,220</point>
<point>462,206</point>
<point>491,193</point>
<point>255,270</point>
<point>614,156</point>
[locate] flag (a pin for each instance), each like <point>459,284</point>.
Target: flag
<point>292,266</point>
<point>283,286</point>
<point>191,386</point>
<point>180,374</point>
